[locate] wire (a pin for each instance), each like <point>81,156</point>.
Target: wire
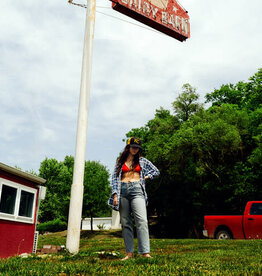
<point>130,22</point>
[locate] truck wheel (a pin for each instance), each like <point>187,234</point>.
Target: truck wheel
<point>223,235</point>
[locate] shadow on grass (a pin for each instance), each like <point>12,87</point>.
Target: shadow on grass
<point>107,234</point>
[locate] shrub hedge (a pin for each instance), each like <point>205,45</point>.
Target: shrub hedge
<point>51,226</point>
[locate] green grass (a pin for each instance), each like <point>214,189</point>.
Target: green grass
<point>170,257</point>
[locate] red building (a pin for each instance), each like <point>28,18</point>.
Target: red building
<point>20,196</point>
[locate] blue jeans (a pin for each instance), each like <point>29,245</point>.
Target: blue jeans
<point>132,199</point>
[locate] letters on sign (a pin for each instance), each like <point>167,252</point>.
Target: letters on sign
<point>166,16</point>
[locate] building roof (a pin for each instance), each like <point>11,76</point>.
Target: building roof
<point>22,174</point>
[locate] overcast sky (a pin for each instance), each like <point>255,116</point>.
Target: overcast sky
<point>135,71</point>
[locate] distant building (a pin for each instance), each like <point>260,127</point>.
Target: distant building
<point>105,223</point>
<point>20,195</point>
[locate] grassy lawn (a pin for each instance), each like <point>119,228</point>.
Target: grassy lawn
<point>170,257</point>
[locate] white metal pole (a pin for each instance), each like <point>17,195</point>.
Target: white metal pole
<point>76,201</point>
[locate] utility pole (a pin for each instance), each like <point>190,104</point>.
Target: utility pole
<point>77,189</point>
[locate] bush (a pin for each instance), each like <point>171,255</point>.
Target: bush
<point>51,226</point>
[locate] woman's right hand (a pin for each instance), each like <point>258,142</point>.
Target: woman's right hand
<point>115,200</point>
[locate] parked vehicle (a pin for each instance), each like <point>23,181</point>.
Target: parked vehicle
<point>247,226</point>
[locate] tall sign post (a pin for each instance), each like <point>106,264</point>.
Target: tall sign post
<point>76,201</point>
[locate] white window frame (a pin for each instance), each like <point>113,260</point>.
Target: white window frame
<point>20,188</point>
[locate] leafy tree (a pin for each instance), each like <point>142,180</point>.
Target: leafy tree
<point>247,174</point>
<point>254,91</point>
<point>96,191</point>
<point>244,94</point>
<point>186,103</point>
<point>59,177</point>
<point>58,184</point>
<point>228,94</point>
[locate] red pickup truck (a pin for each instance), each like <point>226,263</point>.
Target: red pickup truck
<point>247,226</point>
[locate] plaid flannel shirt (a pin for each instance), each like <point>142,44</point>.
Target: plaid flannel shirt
<point>147,169</point>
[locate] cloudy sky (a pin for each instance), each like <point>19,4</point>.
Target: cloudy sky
<point>135,71</point>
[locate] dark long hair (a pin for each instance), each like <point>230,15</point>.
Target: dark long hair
<point>122,159</point>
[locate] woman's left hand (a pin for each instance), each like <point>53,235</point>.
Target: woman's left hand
<point>115,200</point>
<point>147,177</point>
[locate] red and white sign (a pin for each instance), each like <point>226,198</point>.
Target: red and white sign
<point>166,16</point>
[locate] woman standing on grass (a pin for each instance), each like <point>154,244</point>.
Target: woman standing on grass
<point>129,195</point>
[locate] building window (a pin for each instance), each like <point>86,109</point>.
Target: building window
<point>8,198</point>
<point>17,202</point>
<point>26,204</point>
